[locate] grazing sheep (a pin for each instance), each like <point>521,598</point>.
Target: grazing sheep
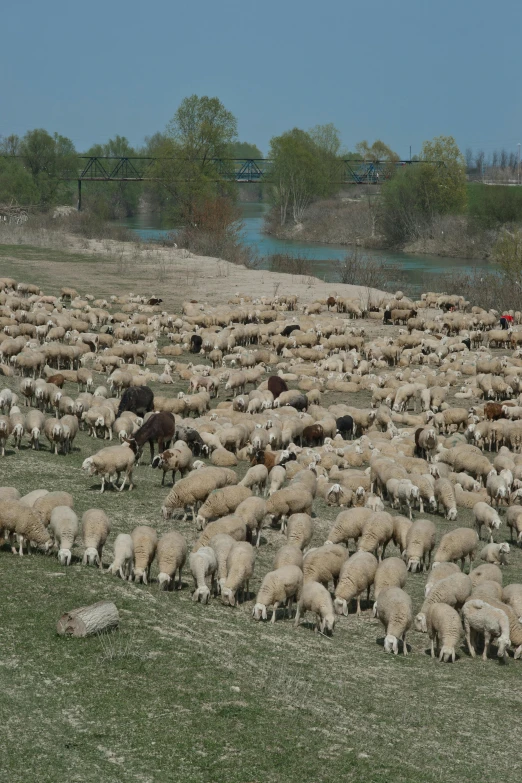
<point>444,630</point>
<point>456,545</point>
<point>144,543</point>
<point>221,502</point>
<point>123,556</point>
<point>178,458</point>
<point>288,501</point>
<point>514,522</point>
<point>253,512</point>
<point>255,478</point>
<point>290,554</point>
<point>6,429</point>
<point>18,519</point>
<point>487,516</point>
<point>324,564</point>
<point>495,553</point>
<point>34,422</point>
<point>349,525</point>
<point>481,618</point>
<point>445,497</point>
<point>391,572</point>
<point>222,458</point>
<point>357,574</point>
<point>512,595</point>
<point>515,626</point>
<point>195,488</point>
<point>172,554</point>
<point>46,502</point>
<point>488,572</point>
<point>277,479</point>
<point>96,527</point>
<point>316,598</point>
<point>394,610</point>
<point>453,590</point>
<point>222,543</point>
<point>299,530</point>
<point>240,567</point>
<point>278,587</point>
<point>231,525</point>
<point>420,542</point>
<point>203,564</point>
<point>64,529</point>
<point>113,460</point>
<point>377,533</point>
<point>440,572</point>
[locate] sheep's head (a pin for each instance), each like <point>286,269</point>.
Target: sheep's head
<point>391,644</point>
<point>341,606</point>
<point>164,581</point>
<point>88,466</point>
<point>446,654</point>
<point>91,556</point>
<point>259,612</point>
<point>452,514</point>
<point>327,624</point>
<point>420,623</point>
<point>433,504</point>
<point>503,643</point>
<point>140,575</point>
<point>64,557</point>
<point>414,564</point>
<point>166,512</point>
<point>228,597</point>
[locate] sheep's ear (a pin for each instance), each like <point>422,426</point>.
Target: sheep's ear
<point>345,610</point>
<point>263,613</point>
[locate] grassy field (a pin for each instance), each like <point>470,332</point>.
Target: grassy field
<point>203,694</point>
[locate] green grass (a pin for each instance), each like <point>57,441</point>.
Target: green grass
<point>203,694</point>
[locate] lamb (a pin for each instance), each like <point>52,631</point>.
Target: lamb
<point>172,554</point>
<point>316,598</point>
<point>394,610</point>
<point>144,543</point>
<point>444,630</point>
<point>203,564</point>
<point>376,534</point>
<point>299,530</point>
<point>222,543</point>
<point>420,542</point>
<point>487,516</point>
<point>240,567</point>
<point>407,494</point>
<point>497,489</point>
<point>391,572</point>
<point>96,527</point>
<point>425,442</point>
<point>495,553</point>
<point>109,461</point>
<point>123,556</point>
<point>232,525</point>
<point>255,478</point>
<point>453,590</point>
<point>445,497</point>
<point>64,529</point>
<point>357,574</point>
<point>324,564</point>
<point>287,501</point>
<point>18,519</point>
<point>278,587</point>
<point>220,503</point>
<point>482,618</point>
<point>178,458</point>
<point>458,544</point>
<point>441,571</point>
<point>290,554</point>
<point>195,488</point>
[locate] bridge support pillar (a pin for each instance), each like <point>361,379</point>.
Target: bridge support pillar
<point>79,195</point>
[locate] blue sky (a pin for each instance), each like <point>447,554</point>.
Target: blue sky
<point>401,70</point>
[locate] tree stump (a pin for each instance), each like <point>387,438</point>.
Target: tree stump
<point>89,620</point>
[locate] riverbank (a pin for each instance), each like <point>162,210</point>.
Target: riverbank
<point>173,274</point>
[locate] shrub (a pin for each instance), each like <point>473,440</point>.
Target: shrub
<point>360,269</point>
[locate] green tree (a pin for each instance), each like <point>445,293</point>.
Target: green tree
<point>200,131</point>
<point>302,171</point>
<point>10,145</point>
<point>50,160</point>
<point>113,199</point>
<point>507,252</point>
<point>242,150</point>
<point>16,183</point>
<point>447,175</point>
<point>378,151</point>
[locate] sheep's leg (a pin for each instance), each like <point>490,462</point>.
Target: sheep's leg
<point>433,647</point>
<point>487,642</point>
<point>297,615</point>
<point>404,645</point>
<point>358,606</point>
<point>471,649</point>
<point>102,484</point>
<point>274,612</point>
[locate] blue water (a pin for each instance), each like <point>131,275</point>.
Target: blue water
<point>322,257</point>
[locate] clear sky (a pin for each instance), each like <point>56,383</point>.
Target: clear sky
<point>400,70</point>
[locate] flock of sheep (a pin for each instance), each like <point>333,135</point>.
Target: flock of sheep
<point>410,452</point>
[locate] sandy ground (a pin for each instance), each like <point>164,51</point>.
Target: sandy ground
<point>174,275</point>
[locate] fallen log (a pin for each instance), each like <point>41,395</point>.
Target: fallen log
<point>89,620</point>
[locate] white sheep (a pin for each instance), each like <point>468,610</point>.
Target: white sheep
<point>220,503</point>
<point>195,488</point>
<point>277,479</point>
<point>290,500</point>
<point>453,590</point>
<point>458,544</point>
<point>203,564</point>
<point>96,527</point>
<point>123,556</point>
<point>316,598</point>
<point>377,533</point>
<point>495,553</point>
<point>323,564</point>
<point>487,517</point>
<point>512,595</point>
<point>444,630</point>
<point>144,542</point>
<point>514,522</point>
<point>290,554</point>
<point>420,542</point>
<point>357,575</point>
<point>64,529</point>
<point>255,478</point>
<point>391,572</point>
<point>482,618</point>
<point>441,571</point>
<point>178,458</point>
<point>445,497</point>
<point>349,525</point>
<point>222,543</point>
<point>240,567</point>
<point>109,462</point>
<point>278,587</point>
<point>394,610</point>
<point>16,518</point>
<point>171,553</point>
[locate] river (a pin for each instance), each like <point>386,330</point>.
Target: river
<point>322,257</point>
